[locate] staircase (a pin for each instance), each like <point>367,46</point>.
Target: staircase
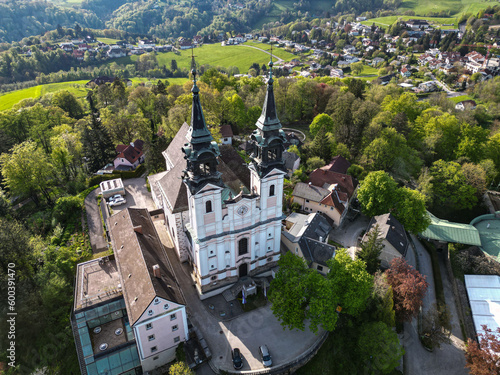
<point>231,293</point>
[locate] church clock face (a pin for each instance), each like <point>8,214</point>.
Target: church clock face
<point>242,210</point>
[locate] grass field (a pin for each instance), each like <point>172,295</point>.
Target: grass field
<point>214,55</point>
<point>455,7</point>
<point>436,21</point>
<point>107,40</point>
<point>277,51</point>
<point>8,100</point>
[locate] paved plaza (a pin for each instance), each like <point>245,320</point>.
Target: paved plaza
<point>244,331</point>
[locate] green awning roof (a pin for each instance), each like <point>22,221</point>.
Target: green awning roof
<point>447,231</point>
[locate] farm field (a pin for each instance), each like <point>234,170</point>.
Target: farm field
<point>9,99</point>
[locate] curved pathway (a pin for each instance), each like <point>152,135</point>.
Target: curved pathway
<point>96,231</point>
<point>278,59</point>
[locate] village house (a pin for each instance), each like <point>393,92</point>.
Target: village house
<point>307,237</point>
<point>129,156</point>
<point>392,233</point>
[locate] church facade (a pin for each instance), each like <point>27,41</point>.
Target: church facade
<point>223,215</point>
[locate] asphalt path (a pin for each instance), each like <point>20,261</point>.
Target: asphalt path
<point>449,359</point>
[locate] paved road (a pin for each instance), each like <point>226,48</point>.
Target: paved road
<point>245,332</point>
<point>447,360</point>
<point>347,234</point>
<point>278,60</point>
<point>96,231</point>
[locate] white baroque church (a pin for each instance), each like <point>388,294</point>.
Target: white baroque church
<point>223,215</point>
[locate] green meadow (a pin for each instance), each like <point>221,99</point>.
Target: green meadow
<point>214,55</point>
<point>455,7</point>
<point>9,99</point>
<point>435,21</point>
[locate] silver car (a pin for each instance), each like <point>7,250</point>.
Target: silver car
<point>265,356</point>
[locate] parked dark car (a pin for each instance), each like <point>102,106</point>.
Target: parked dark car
<point>237,360</point>
<point>265,356</point>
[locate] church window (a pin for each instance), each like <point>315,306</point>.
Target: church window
<point>208,206</point>
<point>243,246</point>
<point>271,191</point>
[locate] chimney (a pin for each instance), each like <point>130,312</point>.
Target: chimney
<point>138,229</point>
<point>156,271</point>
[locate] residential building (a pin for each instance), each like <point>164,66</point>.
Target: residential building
<point>129,314</point>
<point>292,161</point>
<point>116,52</point>
<point>227,134</point>
<point>392,233</point>
<point>129,156</point>
<point>465,104</point>
<point>307,237</point>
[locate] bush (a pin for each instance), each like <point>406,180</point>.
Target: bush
<point>66,207</point>
<point>97,179</point>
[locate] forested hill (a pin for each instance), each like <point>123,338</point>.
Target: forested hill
<point>19,19</point>
<point>168,18</point>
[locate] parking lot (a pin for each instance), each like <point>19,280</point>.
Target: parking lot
<point>137,195</point>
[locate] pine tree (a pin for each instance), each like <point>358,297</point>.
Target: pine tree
<point>371,250</point>
<point>97,145</point>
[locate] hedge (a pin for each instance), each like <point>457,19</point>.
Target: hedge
<point>97,179</point>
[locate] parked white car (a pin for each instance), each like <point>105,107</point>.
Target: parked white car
<point>117,202</point>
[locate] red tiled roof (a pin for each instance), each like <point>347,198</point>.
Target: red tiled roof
<point>338,164</point>
<point>322,176</point>
<point>130,152</point>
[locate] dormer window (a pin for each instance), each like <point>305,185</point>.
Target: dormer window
<point>208,206</point>
<point>271,191</point>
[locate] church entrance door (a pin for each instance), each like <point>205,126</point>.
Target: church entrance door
<point>243,270</point>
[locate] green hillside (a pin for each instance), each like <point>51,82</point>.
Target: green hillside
<point>455,7</point>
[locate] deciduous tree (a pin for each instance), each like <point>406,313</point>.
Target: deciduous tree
<point>321,121</point>
<point>379,347</point>
<point>409,288</point>
<point>483,358</point>
<point>376,193</point>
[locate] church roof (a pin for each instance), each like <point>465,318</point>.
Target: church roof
<point>233,168</point>
<point>268,119</point>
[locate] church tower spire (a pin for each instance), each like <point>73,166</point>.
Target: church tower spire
<point>201,151</point>
<point>268,138</point>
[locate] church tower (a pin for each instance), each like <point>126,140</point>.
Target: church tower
<point>232,231</point>
<point>267,167</point>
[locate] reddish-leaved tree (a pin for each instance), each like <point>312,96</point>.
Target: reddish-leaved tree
<point>408,287</point>
<point>484,358</point>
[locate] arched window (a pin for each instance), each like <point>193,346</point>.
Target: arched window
<point>208,206</point>
<point>243,246</point>
<point>271,191</point>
